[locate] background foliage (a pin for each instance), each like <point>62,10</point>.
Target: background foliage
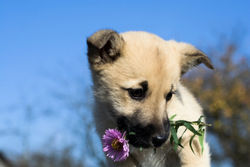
<point>224,94</point>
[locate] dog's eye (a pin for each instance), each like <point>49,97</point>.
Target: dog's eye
<point>169,95</point>
<point>136,94</point>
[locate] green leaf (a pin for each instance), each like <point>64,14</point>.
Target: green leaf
<point>172,117</point>
<point>202,116</point>
<point>176,127</point>
<point>191,128</point>
<point>201,140</point>
<point>182,122</point>
<point>180,138</point>
<point>131,133</point>
<point>175,138</point>
<point>190,142</point>
<point>182,135</point>
<point>140,148</point>
<point>180,145</point>
<point>171,139</point>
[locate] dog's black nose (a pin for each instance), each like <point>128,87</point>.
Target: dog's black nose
<point>159,140</point>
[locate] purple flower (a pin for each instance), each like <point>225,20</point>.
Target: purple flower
<point>115,145</point>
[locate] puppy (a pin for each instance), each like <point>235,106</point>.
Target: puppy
<point>137,88</point>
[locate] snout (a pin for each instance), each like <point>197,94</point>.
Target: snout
<point>144,135</point>
<point>159,140</point>
<point>161,137</point>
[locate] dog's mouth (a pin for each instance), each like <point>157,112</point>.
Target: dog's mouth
<point>139,136</point>
<point>138,141</point>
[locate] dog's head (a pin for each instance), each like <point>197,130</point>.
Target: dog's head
<point>137,73</point>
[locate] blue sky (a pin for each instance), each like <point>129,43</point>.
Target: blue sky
<point>42,40</point>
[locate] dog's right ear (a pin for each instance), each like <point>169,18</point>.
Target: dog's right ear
<point>192,57</point>
<point>104,46</point>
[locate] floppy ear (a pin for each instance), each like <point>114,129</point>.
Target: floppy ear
<point>104,46</point>
<point>192,57</point>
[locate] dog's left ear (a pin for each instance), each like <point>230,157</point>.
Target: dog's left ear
<point>104,47</point>
<point>192,57</point>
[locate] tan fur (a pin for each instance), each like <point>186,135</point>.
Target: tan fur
<point>144,56</point>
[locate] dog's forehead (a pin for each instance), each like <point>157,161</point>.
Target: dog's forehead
<point>145,58</point>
